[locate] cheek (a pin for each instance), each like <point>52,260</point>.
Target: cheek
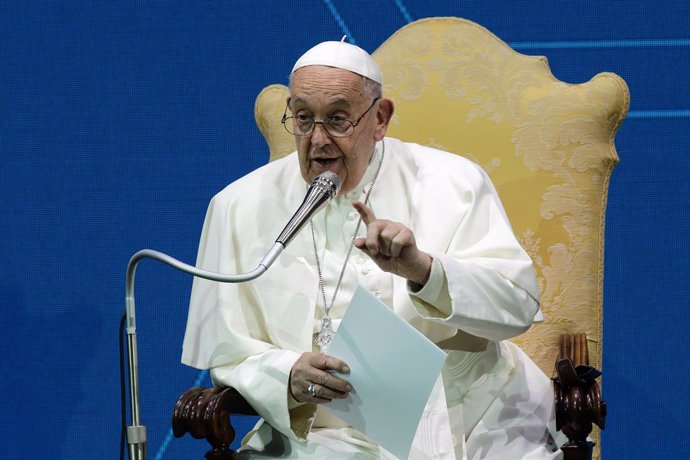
<point>360,157</point>
<point>302,155</point>
<point>355,167</point>
<point>302,146</point>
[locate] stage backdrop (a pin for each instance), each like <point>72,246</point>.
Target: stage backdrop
<point>120,120</point>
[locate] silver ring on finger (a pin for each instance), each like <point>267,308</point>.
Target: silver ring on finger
<point>311,390</point>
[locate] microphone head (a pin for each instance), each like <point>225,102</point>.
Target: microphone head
<point>324,187</point>
<point>329,182</point>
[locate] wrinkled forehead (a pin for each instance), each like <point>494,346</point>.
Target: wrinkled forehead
<point>328,84</point>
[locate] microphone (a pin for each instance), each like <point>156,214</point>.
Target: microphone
<point>324,187</point>
<point>321,191</point>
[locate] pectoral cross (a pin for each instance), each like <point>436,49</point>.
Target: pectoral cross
<point>325,336</point>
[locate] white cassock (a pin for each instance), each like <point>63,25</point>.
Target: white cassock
<point>491,400</point>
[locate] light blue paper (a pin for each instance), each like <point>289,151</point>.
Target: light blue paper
<point>393,369</point>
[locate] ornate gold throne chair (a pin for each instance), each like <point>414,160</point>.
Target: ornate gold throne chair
<point>549,149</point>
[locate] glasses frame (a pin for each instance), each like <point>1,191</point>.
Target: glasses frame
<point>324,123</point>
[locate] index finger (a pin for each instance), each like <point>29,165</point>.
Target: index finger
<point>364,211</point>
<point>327,363</point>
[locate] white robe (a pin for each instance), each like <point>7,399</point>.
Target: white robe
<point>491,400</point>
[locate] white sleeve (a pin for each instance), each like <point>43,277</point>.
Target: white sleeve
<point>225,333</point>
<point>263,381</point>
<point>457,295</point>
<point>482,281</point>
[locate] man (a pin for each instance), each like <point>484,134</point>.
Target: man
<point>423,230</point>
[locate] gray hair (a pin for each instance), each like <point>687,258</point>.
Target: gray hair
<point>372,88</point>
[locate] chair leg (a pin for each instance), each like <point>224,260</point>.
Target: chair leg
<point>220,455</point>
<point>578,397</point>
<point>577,450</point>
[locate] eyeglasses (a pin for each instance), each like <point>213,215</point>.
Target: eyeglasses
<point>335,125</point>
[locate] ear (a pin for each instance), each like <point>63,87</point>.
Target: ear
<point>384,113</point>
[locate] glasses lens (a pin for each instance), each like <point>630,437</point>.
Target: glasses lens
<point>338,126</point>
<point>299,127</point>
<point>302,124</point>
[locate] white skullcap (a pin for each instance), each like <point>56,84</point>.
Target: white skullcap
<point>342,56</point>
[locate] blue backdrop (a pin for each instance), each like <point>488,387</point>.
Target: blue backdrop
<point>119,120</point>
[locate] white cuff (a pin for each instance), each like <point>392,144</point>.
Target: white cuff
<point>434,293</point>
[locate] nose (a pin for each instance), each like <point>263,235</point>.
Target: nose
<point>319,136</point>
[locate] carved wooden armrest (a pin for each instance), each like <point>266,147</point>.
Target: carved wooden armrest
<point>205,413</point>
<point>578,397</point>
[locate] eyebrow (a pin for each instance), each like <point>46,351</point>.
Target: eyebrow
<point>340,101</point>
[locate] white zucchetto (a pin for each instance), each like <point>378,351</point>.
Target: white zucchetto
<point>342,56</point>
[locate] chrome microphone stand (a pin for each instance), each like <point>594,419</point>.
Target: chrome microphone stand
<point>136,432</point>
<point>324,187</point>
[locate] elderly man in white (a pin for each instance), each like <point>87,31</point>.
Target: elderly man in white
<point>421,229</point>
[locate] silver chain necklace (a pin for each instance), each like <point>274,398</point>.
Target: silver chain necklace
<point>325,334</point>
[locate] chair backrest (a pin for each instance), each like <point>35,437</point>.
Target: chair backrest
<point>547,146</point>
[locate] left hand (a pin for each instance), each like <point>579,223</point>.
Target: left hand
<point>314,369</point>
<point>392,247</point>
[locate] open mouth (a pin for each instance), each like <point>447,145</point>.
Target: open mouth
<point>325,162</point>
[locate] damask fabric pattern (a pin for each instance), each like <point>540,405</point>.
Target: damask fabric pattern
<point>250,334</point>
<point>547,145</point>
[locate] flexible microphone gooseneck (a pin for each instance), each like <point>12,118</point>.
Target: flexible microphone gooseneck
<point>321,191</point>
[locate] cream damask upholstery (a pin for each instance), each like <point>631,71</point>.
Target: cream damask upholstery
<point>547,145</point>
